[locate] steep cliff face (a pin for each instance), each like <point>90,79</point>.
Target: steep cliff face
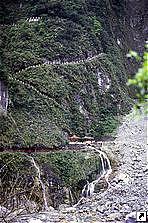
<point>65,66</point>
<point>136,19</point>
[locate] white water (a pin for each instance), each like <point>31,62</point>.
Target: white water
<point>103,165</point>
<point>41,183</point>
<point>88,189</point>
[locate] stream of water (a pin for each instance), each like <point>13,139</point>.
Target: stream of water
<point>89,188</point>
<point>106,170</point>
<point>46,208</point>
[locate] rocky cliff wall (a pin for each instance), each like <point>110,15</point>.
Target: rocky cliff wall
<point>66,69</point>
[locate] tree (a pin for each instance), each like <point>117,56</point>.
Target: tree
<point>140,80</point>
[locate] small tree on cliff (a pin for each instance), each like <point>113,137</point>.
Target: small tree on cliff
<point>140,80</point>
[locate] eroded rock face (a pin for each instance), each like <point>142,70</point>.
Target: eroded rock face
<point>136,19</point>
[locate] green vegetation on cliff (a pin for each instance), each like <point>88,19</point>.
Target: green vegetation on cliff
<point>48,100</point>
<point>141,79</point>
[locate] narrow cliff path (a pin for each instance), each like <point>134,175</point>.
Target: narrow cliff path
<point>66,61</point>
<point>128,189</point>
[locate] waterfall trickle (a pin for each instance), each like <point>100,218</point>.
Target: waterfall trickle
<point>106,170</point>
<point>107,166</point>
<point>102,164</point>
<point>41,183</point>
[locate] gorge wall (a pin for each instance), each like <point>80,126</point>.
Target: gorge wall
<point>64,64</point>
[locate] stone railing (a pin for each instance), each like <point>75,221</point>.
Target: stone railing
<point>64,62</point>
<point>39,92</point>
<point>31,19</point>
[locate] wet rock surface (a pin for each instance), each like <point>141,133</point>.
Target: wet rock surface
<point>127,192</point>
